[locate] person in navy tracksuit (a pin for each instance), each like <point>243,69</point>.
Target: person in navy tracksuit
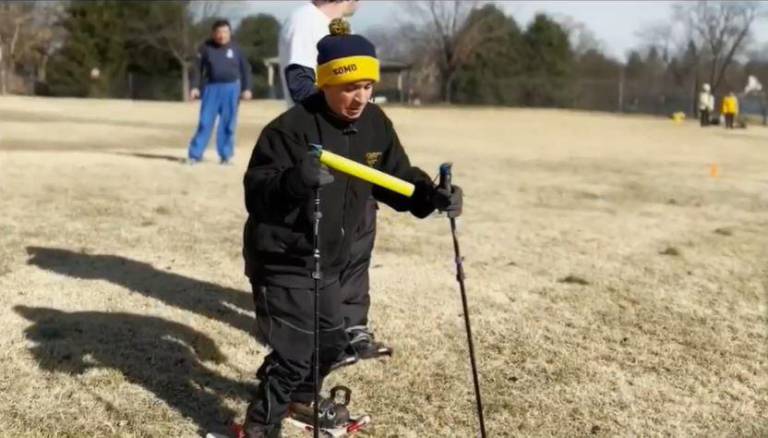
<point>224,75</point>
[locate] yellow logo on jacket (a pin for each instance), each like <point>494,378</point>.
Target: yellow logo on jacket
<point>372,158</point>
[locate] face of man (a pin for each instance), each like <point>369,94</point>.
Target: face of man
<point>350,7</point>
<point>348,101</point>
<point>221,35</point>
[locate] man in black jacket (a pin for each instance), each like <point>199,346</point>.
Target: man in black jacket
<point>299,36</point>
<point>279,183</point>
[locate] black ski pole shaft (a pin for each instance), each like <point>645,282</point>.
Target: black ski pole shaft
<point>445,182</point>
<point>317,276</point>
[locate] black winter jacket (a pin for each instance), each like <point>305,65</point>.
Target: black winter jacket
<point>278,234</point>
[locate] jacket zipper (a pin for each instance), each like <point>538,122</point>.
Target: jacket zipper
<point>346,187</point>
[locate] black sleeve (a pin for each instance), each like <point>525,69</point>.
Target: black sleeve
<point>197,78</point>
<point>300,81</point>
<point>269,169</point>
<point>396,163</point>
<point>246,80</point>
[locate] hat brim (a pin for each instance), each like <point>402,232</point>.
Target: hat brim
<point>348,70</point>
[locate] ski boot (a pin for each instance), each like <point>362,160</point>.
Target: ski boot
<point>364,344</point>
<point>334,418</point>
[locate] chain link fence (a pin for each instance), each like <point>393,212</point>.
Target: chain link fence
<point>615,95</point>
<point>640,97</point>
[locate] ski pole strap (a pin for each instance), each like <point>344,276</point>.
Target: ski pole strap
<point>365,173</point>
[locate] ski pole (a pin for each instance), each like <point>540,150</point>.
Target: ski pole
<point>445,182</point>
<point>316,276</point>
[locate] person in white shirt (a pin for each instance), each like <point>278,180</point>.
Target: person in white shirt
<point>297,46</point>
<point>299,36</point>
<point>706,105</point>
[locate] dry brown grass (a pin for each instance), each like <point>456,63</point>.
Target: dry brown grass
<point>125,312</point>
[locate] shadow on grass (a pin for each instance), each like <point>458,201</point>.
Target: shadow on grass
<point>224,304</point>
<point>31,117</point>
<point>172,158</point>
<point>164,357</point>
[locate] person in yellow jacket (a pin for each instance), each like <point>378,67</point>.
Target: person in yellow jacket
<point>730,109</point>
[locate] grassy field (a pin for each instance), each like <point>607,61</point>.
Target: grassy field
<point>616,287</point>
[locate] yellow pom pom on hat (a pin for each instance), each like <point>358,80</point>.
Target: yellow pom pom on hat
<point>343,58</point>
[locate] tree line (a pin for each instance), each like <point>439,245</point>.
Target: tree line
<point>464,52</point>
<point>474,53</point>
<point>105,48</point>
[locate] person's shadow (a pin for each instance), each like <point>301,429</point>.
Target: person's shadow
<point>162,157</point>
<point>164,357</point>
<point>224,304</point>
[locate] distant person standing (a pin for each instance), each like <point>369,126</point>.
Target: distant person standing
<point>297,46</point>
<point>224,75</point>
<point>298,52</point>
<point>730,109</point>
<point>706,105</point>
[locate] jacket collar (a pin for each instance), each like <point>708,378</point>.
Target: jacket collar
<point>210,42</point>
<point>345,126</point>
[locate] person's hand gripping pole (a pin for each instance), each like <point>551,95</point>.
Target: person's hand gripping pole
<point>314,173</point>
<point>453,209</point>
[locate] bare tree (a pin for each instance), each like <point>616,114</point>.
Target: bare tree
<point>29,33</point>
<point>720,29</point>
<point>394,43</point>
<point>660,35</point>
<point>14,37</point>
<point>448,35</point>
<point>581,37</point>
<point>48,36</point>
<point>178,36</point>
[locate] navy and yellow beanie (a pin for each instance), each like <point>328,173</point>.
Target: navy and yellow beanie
<point>343,58</point>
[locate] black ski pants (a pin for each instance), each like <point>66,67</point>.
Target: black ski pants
<point>285,323</point>
<point>355,287</point>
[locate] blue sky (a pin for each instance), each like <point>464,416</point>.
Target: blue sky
<point>614,23</point>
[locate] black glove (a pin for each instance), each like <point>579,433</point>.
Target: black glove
<point>307,175</point>
<point>449,201</point>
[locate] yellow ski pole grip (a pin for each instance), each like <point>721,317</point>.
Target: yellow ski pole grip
<point>365,173</point>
